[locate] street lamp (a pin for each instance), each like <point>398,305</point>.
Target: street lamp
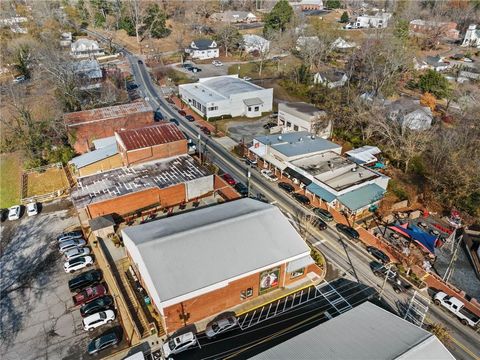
<point>248,182</point>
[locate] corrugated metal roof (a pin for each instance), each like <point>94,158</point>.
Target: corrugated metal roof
<point>150,136</point>
<point>364,333</point>
<point>321,192</point>
<point>194,250</point>
<point>362,197</point>
<point>106,141</point>
<point>110,112</point>
<point>94,156</point>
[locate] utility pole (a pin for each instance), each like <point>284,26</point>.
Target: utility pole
<point>385,280</point>
<point>248,181</point>
<point>200,147</point>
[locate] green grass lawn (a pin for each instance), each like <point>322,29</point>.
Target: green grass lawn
<point>10,182</point>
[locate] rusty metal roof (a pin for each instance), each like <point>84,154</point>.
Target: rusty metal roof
<point>162,133</point>
<point>110,112</point>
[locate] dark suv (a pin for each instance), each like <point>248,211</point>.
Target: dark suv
<point>348,231</point>
<point>85,279</point>
<point>323,214</point>
<point>99,304</point>
<point>104,341</point>
<point>302,199</point>
<point>286,186</point>
<point>241,189</point>
<point>378,254</point>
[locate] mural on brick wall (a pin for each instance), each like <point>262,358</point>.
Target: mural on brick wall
<point>269,279</point>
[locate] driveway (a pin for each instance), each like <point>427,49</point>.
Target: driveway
<point>208,70</point>
<point>247,130</point>
<point>37,319</point>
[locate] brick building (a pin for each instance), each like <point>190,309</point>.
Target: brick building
<point>85,126</point>
<point>198,264</point>
<point>126,190</point>
<point>149,143</point>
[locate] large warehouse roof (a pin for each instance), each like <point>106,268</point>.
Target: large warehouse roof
<point>365,332</point>
<point>139,138</point>
<point>194,250</point>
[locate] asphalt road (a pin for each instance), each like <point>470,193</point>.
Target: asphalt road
<point>347,256</point>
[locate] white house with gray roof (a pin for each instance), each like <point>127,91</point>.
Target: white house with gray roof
<point>228,96</point>
<point>203,49</point>
<point>472,37</point>
<point>301,116</point>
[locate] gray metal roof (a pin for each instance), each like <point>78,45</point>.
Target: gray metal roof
<point>228,85</point>
<point>365,332</point>
<point>297,143</point>
<point>101,222</point>
<point>191,251</point>
<point>102,142</point>
<point>94,156</point>
<point>253,101</point>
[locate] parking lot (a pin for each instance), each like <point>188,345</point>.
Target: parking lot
<point>38,318</point>
<point>247,130</point>
<point>207,70</point>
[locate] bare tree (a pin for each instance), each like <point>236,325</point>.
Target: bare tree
<point>135,10</point>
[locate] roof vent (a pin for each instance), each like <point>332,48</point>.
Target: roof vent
<point>330,164</point>
<point>312,137</point>
<point>280,137</point>
<point>300,139</point>
<point>353,169</point>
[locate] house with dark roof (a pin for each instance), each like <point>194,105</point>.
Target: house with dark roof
<point>410,114</point>
<point>203,49</point>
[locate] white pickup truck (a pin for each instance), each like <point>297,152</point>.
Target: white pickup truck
<point>456,307</point>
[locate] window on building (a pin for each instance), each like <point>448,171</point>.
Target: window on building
<point>282,122</point>
<point>289,124</point>
<point>246,293</point>
<point>213,108</point>
<point>297,273</point>
<point>295,127</point>
<point>257,108</point>
<point>249,108</point>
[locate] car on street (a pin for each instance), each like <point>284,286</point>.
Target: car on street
<point>229,179</point>
<point>32,209</point>
<point>70,235</point>
<point>286,187</point>
<point>106,340</point>
<point>241,189</point>
<point>140,62</point>
<point>89,294</point>
<point>175,121</point>
<point>378,254</point>
<point>96,320</point>
<point>194,69</point>
<point>205,130</point>
<point>323,214</point>
<point>179,343</point>
<point>181,112</point>
<point>157,115</point>
<point>319,224</point>
<point>220,325</point>
<point>269,125</point>
<point>14,212</point>
<point>189,118</point>
<point>269,175</point>
<point>76,253</point>
<point>169,100</point>
<point>70,244</point>
<point>252,162</point>
<point>99,304</point>
<point>217,63</point>
<point>398,285</point>
<point>78,263</point>
<point>348,231</point>
<point>302,199</point>
<point>84,280</point>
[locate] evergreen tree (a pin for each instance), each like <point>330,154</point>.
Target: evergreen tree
<point>333,4</point>
<point>435,83</point>
<point>154,22</point>
<point>344,18</point>
<point>279,17</point>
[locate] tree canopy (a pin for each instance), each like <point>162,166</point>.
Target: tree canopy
<point>279,17</point>
<point>435,83</point>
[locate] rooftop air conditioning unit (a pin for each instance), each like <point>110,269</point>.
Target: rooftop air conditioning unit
<point>280,137</point>
<point>353,169</point>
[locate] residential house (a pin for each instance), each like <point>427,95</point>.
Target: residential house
<point>410,114</point>
<point>367,329</point>
<point>232,16</point>
<point>89,73</point>
<point>342,44</point>
<point>66,39</point>
<point>306,5</point>
<point>255,43</point>
<point>83,127</point>
<point>217,259</point>
<point>300,116</point>
<point>203,49</point>
<point>279,149</point>
<point>437,63</point>
<point>472,37</point>
<point>331,78</point>
<point>228,96</point>
<point>86,48</point>
<point>425,28</point>
<point>378,21</point>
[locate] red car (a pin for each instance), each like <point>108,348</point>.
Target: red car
<point>229,179</point>
<point>205,130</point>
<point>89,294</point>
<point>181,112</point>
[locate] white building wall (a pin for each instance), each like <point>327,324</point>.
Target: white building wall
<point>199,187</point>
<point>205,54</point>
<point>290,121</point>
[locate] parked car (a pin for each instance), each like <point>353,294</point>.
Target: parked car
<point>393,279</point>
<point>32,209</point>
<point>14,212</point>
<point>19,79</point>
<point>456,307</point>
<point>252,162</point>
<point>269,175</point>
<point>269,125</point>
<point>323,214</point>
<point>96,320</point>
<point>229,179</point>
<point>70,235</point>
<point>187,65</point>
<point>157,115</point>
<point>189,118</point>
<point>78,263</point>
<point>70,244</point>
<point>194,69</point>
<point>140,62</point>
<point>378,254</point>
<point>76,253</point>
<point>241,189</point>
<point>177,344</point>
<point>99,304</point>
<point>217,63</point>
<point>302,199</point>
<point>175,121</point>
<point>169,100</point>
<point>107,339</point>
<point>319,223</point>
<point>181,112</point>
<point>286,187</point>
<point>348,231</point>
<point>220,325</point>
<point>89,294</point>
<point>205,130</point>
<point>81,281</point>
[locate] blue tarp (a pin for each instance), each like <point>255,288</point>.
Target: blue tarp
<point>427,241</point>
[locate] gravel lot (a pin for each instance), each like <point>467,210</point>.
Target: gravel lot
<point>37,320</point>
